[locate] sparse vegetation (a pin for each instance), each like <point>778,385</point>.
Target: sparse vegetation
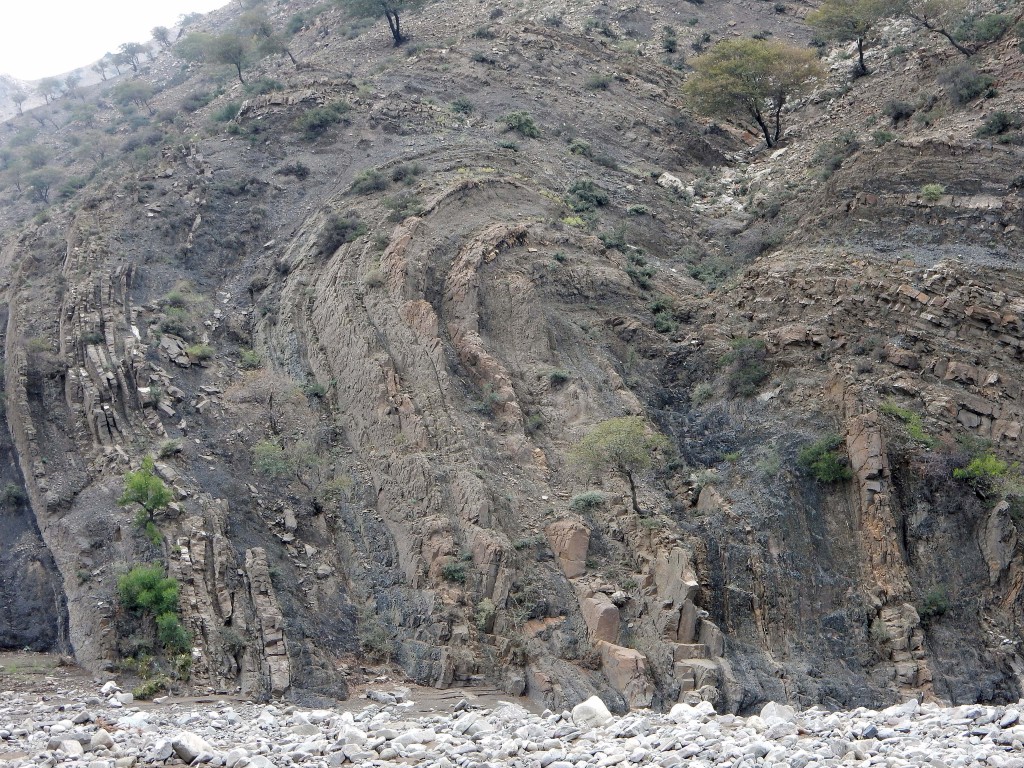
<point>823,461</point>
<point>932,193</point>
<point>339,230</point>
<point>521,123</point>
<point>911,421</point>
<point>454,572</point>
<point>746,366</point>
<point>587,501</point>
<point>315,122</point>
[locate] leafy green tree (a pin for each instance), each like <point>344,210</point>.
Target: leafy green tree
<point>952,20</point>
<point>823,460</point>
<point>144,488</point>
<point>19,97</point>
<point>145,589</point>
<point>625,445</point>
<point>257,25</point>
<point>162,35</point>
<point>132,92</point>
<point>48,88</point>
<point>846,20</point>
<point>71,83</point>
<point>390,9</point>
<point>229,48</point>
<point>752,79</point>
<point>130,53</point>
<point>39,183</point>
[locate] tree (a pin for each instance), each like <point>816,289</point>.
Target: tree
<point>71,83</point>
<point>130,53</point>
<point>162,35</point>
<point>256,24</point>
<point>48,88</point>
<point>846,20</point>
<point>390,10</point>
<point>185,21</point>
<point>100,67</point>
<point>136,92</point>
<point>625,445</point>
<point>144,488</point>
<point>966,32</point>
<point>228,48</point>
<point>753,79</point>
<point>19,97</point>
<point>39,183</point>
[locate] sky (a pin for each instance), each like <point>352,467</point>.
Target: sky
<point>39,38</point>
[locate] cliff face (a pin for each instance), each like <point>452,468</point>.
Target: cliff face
<point>363,354</point>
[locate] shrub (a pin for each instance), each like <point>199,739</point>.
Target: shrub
<point>823,461</point>
<point>597,83</point>
<point>934,604</point>
<point>145,589</point>
<point>506,144</point>
<point>375,639</point>
<point>200,352</point>
<point>339,230</point>
<point>403,205</point>
<point>226,112</point>
<point>368,181</point>
<point>454,572</point>
<point>263,85</point>
<point>964,83</point>
<point>587,501</point>
<point>580,147</point>
<point>171,634</point>
<point>151,688</point>
<point>1000,123</point>
<point>585,195</point>
<point>462,106</point>
<point>484,33</point>
<point>881,138</point>
<point>558,377</point>
<point>897,109</point>
<point>932,193</point>
<point>196,101</point>
<point>910,419</point>
<point>484,616</point>
<point>169,448</point>
<point>270,460</point>
<point>746,366</point>
<point>299,170</point>
<point>316,121</point>
<point>406,172</point>
<point>521,123</point>
<point>249,359</point>
<point>984,473</point>
<point>638,210</point>
<point>12,495</point>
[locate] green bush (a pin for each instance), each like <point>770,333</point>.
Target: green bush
<point>932,193</point>
<point>558,377</point>
<point>881,138</point>
<point>249,359</point>
<point>587,501</point>
<point>262,86</point>
<point>151,688</point>
<point>315,122</point>
<point>145,589</point>
<point>521,123</point>
<point>339,230</point>
<point>580,147</point>
<point>12,495</point>
<point>455,572</point>
<point>934,604</point>
<point>911,420</point>
<point>585,195</point>
<point>898,109</point>
<point>369,181</point>
<point>984,472</point>
<point>1000,123</point>
<point>823,461</point>
<point>746,366</point>
<point>597,83</point>
<point>171,634</point>
<point>964,83</point>
<point>200,352</point>
<point>270,460</point>
<point>462,106</point>
<point>299,170</point>
<point>227,112</point>
<point>484,616</point>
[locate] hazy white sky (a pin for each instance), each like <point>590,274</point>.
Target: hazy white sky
<point>50,37</point>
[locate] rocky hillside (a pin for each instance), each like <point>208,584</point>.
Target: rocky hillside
<point>362,307</point>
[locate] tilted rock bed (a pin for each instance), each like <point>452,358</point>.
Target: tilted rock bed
<point>105,730</point>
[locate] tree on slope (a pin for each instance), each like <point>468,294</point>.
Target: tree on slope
<point>751,79</point>
<point>390,9</point>
<point>846,20</point>
<point>625,445</point>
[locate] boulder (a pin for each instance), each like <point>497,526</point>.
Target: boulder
<point>773,713</point>
<point>602,618</point>
<point>626,670</point>
<point>570,541</point>
<point>591,713</point>
<point>188,746</point>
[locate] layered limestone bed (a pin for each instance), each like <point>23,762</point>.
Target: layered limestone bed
<point>102,727</point>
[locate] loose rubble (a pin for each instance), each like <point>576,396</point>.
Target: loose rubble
<point>74,728</point>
